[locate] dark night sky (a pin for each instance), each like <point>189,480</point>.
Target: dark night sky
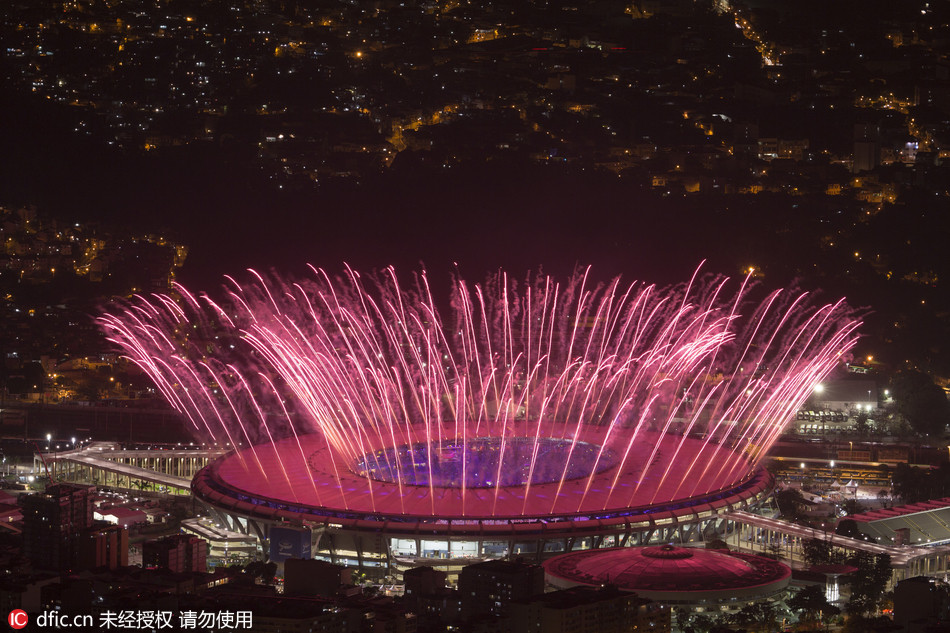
<point>483,218</point>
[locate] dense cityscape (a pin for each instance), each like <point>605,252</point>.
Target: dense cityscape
<point>156,145</point>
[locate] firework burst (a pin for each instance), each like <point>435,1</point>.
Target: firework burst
<point>502,385</point>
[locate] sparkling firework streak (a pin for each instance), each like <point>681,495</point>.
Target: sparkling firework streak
<point>525,384</point>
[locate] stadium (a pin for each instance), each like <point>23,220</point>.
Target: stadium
<point>387,529</point>
<point>540,417</point>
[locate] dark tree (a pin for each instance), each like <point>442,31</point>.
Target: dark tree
<point>269,572</point>
<point>884,496</point>
<point>811,603</point>
<point>915,484</point>
<point>861,424</point>
<point>908,483</point>
<point>852,507</point>
<point>29,379</point>
<point>690,623</point>
<point>922,403</point>
<point>868,582</point>
<point>817,552</point>
<point>791,503</point>
<point>864,624</point>
<point>756,617</point>
<point>849,528</point>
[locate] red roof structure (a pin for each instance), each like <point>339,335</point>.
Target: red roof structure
<point>926,522</point>
<point>672,574</point>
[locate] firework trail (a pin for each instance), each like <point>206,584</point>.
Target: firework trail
<point>502,392</point>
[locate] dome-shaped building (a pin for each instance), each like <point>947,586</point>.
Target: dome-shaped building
<point>690,577</point>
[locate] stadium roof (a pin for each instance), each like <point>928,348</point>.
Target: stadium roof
<point>927,522</point>
<point>668,573</point>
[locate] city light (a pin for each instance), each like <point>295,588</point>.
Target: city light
<point>407,419</point>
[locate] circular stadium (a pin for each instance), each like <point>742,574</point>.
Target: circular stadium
<point>689,577</point>
<point>537,417</point>
<point>388,524</point>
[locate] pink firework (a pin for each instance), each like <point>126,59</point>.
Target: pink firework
<point>655,394</point>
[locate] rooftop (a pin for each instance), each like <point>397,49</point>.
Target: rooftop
<point>668,569</point>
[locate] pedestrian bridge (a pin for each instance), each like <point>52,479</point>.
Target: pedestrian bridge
<point>166,471</point>
<point>752,532</point>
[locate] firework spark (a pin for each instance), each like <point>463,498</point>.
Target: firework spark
<point>524,383</point>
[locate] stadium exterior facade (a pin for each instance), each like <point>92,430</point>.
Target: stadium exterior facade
<point>398,530</point>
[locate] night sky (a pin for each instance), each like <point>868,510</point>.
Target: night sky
<point>465,203</point>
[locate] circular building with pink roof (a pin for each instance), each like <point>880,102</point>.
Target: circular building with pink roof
<point>673,575</point>
<point>379,525</point>
<point>509,418</point>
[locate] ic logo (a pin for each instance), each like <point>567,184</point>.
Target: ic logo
<point>18,618</point>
